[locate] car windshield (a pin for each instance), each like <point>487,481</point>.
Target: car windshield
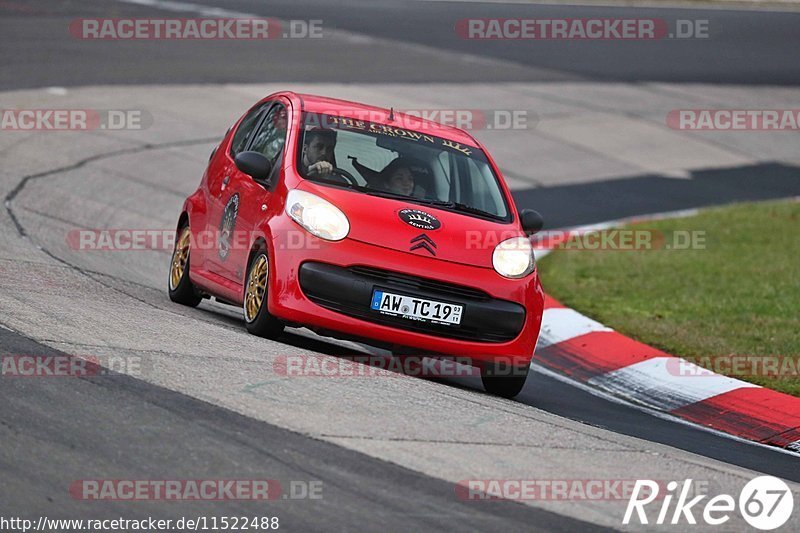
<point>396,162</point>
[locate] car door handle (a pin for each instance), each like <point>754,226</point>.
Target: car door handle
<point>225,182</point>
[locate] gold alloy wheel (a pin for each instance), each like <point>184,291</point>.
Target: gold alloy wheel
<point>256,288</point>
<point>179,258</point>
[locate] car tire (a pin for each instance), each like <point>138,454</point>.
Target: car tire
<point>257,318</point>
<point>504,380</point>
<point>180,287</point>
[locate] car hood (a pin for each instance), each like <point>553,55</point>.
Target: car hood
<point>417,229</point>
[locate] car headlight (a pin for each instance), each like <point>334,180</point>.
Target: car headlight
<point>513,258</point>
<point>318,216</point>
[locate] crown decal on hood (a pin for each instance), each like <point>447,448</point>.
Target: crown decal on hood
<point>419,219</point>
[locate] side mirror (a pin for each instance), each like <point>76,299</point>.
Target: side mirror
<point>254,165</point>
<point>531,221</point>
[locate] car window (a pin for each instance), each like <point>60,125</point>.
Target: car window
<point>446,162</point>
<point>355,152</point>
<point>246,126</point>
<point>484,194</point>
<point>271,135</point>
<point>392,161</point>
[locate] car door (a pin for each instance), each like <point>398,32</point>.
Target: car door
<point>247,201</point>
<point>222,202</point>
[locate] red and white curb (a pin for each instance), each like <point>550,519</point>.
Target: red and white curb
<point>595,355</point>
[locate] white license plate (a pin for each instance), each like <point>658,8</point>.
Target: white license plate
<point>416,308</point>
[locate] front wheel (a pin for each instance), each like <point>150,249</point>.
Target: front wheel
<point>504,380</point>
<point>180,287</point>
<point>256,315</point>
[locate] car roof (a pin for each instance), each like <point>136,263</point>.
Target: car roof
<point>335,106</point>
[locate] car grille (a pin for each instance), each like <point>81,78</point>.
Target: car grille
<point>422,284</point>
<point>349,291</point>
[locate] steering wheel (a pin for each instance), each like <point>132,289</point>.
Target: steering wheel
<point>345,174</point>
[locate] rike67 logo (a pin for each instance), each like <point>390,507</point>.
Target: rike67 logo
<point>765,503</point>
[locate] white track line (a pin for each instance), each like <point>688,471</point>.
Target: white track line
<point>658,414</point>
<point>661,383</point>
<point>560,324</point>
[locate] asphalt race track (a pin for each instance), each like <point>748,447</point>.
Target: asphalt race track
<point>204,402</point>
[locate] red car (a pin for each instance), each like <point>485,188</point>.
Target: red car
<point>362,222</point>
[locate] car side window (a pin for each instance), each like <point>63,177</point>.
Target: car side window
<point>249,122</point>
<point>271,135</point>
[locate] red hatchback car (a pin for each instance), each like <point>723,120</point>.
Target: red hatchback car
<point>363,223</point>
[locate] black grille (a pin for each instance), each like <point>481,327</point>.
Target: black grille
<point>349,291</point>
<point>421,284</point>
<point>462,332</point>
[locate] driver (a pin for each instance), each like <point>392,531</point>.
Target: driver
<point>318,146</point>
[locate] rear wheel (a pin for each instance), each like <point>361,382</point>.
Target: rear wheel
<point>503,379</point>
<point>180,287</point>
<point>256,315</point>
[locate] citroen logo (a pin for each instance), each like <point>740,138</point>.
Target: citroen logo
<point>423,241</point>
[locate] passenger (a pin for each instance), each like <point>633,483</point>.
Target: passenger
<point>399,177</point>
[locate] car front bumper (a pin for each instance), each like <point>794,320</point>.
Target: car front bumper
<point>329,285</point>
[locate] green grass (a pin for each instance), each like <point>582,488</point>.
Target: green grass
<point>738,296</point>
